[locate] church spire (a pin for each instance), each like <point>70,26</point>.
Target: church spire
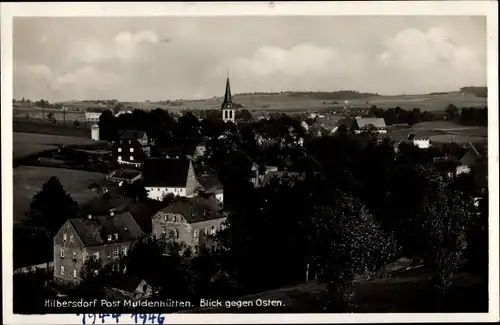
<point>228,98</point>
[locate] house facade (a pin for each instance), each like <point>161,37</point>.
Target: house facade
<point>131,148</point>
<point>363,124</point>
<point>103,237</point>
<point>190,220</point>
<point>164,176</point>
<point>92,116</point>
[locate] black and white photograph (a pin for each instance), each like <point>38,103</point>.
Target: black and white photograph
<point>170,164</point>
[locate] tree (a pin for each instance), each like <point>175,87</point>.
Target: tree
<point>451,111</point>
<point>51,207</point>
<point>136,190</point>
<point>246,115</point>
<point>117,108</point>
<point>347,242</point>
<point>412,118</point>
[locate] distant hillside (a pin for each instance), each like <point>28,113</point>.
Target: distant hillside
<point>320,95</point>
<point>478,91</point>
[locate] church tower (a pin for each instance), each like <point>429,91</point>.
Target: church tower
<point>228,107</point>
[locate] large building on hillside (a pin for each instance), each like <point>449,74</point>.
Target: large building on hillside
<point>163,176</point>
<point>104,237</point>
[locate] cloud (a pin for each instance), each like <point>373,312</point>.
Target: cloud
<point>415,50</point>
<point>33,70</point>
<point>125,46</point>
<point>86,77</point>
<point>297,60</point>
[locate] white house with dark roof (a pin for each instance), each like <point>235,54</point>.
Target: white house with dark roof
<point>365,124</point>
<point>164,176</point>
<point>103,237</point>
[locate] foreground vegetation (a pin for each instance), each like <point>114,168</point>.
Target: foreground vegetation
<point>347,206</point>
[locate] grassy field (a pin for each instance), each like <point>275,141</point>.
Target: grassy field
<point>25,144</point>
<point>265,103</point>
<point>28,181</point>
<point>441,132</point>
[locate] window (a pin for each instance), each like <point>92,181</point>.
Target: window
<point>121,141</point>
<point>129,141</point>
<point>116,236</point>
<point>230,114</point>
<point>205,231</point>
<point>62,252</point>
<point>71,239</point>
<point>74,255</point>
<point>62,270</point>
<point>124,251</point>
<point>174,219</point>
<point>64,237</point>
<point>74,274</point>
<point>119,149</point>
<point>131,158</point>
<point>195,233</point>
<point>212,231</point>
<point>96,255</point>
<point>163,230</point>
<point>165,217</point>
<point>116,252</point>
<point>176,233</point>
<point>131,149</point>
<point>119,158</point>
<point>110,237</point>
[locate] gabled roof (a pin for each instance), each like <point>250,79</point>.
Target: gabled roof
<point>470,156</point>
<point>366,121</point>
<point>210,183</point>
<point>195,209</point>
<point>132,134</point>
<point>124,282</point>
<point>166,172</point>
<point>94,231</point>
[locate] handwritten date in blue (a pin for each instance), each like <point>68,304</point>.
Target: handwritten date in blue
<point>143,319</point>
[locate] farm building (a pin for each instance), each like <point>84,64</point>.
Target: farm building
<point>124,175</point>
<point>163,176</point>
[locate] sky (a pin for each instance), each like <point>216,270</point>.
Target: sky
<point>160,58</point>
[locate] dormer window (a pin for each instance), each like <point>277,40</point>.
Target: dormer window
<point>110,237</point>
<point>116,236</point>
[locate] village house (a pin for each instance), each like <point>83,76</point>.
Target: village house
<point>210,184</point>
<point>421,142</point>
<point>131,148</point>
<point>125,287</point>
<point>468,160</point>
<point>163,176</point>
<point>103,237</point>
<point>92,114</point>
<point>366,124</point>
<point>190,220</point>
